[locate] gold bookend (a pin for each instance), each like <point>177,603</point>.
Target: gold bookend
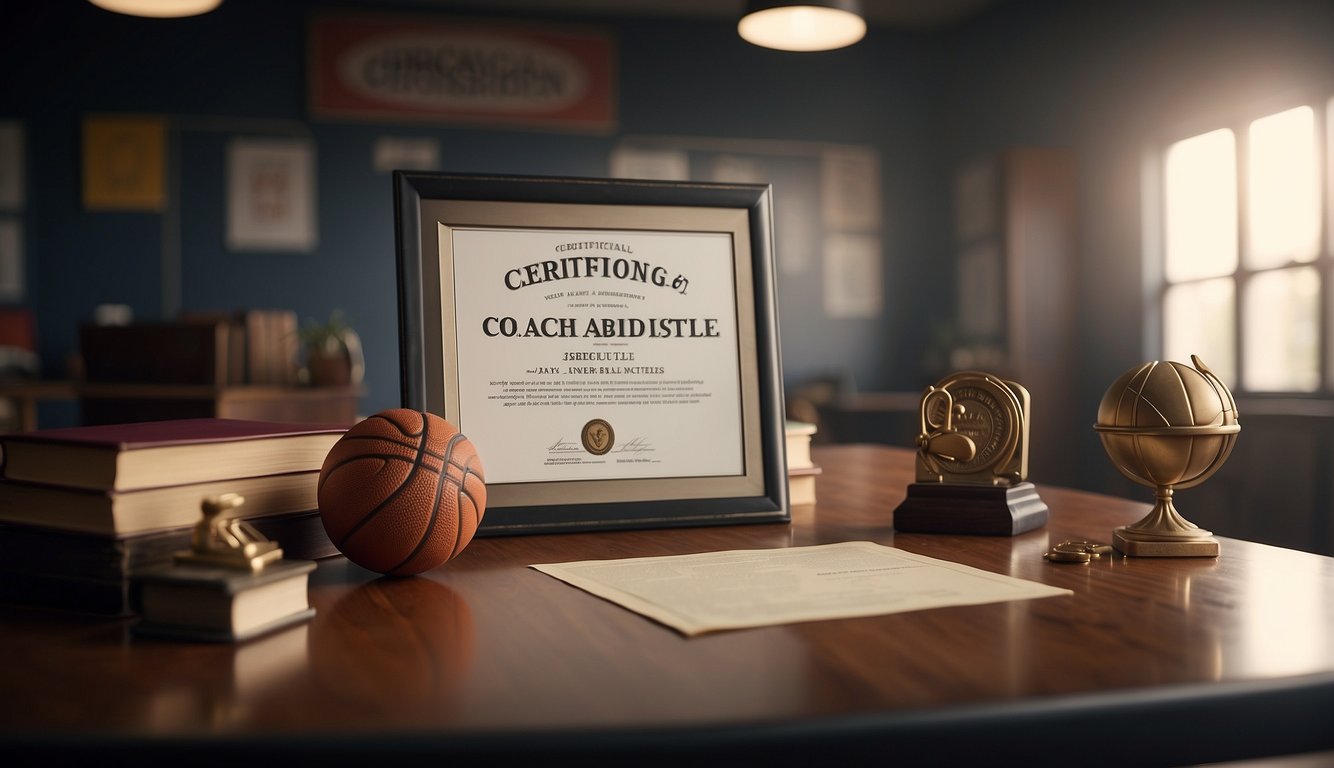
<point>224,540</point>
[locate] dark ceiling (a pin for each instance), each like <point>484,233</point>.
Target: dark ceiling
<point>889,13</point>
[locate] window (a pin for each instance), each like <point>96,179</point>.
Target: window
<point>1247,263</point>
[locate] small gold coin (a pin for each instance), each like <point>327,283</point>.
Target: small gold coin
<point>1077,551</point>
<point>1092,547</point>
<point>1057,555</point>
<point>1077,547</point>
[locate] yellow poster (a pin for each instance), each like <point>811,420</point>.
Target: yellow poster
<point>124,163</point>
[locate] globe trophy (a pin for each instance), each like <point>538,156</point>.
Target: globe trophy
<point>1168,426</point>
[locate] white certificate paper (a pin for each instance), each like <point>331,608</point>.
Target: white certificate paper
<point>597,354</point>
<point>714,591</point>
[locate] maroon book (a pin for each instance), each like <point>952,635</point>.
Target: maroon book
<point>154,454</point>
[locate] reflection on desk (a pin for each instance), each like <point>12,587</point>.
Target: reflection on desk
<point>1153,661</point>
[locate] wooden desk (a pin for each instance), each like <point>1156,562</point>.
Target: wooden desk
<point>1150,662</point>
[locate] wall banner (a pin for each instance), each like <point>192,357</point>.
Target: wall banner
<point>393,68</point>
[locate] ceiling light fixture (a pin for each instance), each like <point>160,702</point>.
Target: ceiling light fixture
<point>158,9</point>
<point>803,25</point>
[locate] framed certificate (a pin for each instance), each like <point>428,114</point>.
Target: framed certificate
<point>610,346</point>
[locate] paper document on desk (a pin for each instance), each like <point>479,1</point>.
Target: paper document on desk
<point>715,591</point>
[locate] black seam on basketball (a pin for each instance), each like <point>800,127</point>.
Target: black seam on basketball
<point>449,460</point>
<point>440,483</point>
<point>390,440</point>
<point>458,527</point>
<point>462,467</point>
<point>402,430</point>
<point>328,472</point>
<point>477,517</point>
<point>386,457</point>
<point>407,481</point>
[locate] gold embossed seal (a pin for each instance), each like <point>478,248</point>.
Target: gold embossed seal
<point>598,437</point>
<point>974,430</point>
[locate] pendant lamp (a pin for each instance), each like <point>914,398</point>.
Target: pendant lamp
<point>802,25</point>
<point>158,9</point>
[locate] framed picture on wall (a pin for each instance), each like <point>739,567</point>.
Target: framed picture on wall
<point>271,195</point>
<point>124,163</point>
<point>609,346</point>
<point>12,182</point>
<point>11,259</point>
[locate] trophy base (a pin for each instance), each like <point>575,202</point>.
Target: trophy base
<point>988,510</point>
<point>1128,543</point>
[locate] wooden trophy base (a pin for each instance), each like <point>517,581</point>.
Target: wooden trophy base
<point>1127,543</point>
<point>989,510</point>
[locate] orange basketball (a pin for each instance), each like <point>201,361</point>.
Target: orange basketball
<point>402,492</point>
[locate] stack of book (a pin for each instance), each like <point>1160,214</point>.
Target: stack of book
<point>83,508</point>
<point>801,470</point>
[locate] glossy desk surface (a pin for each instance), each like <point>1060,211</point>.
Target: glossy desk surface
<point>1150,661</point>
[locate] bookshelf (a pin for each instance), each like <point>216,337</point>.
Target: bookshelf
<point>1015,243</point>
<point>114,403</point>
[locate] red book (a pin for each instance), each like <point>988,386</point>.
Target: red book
<point>154,454</point>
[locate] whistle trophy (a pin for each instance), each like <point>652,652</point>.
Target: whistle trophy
<point>972,461</point>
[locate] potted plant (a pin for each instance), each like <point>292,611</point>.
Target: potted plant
<point>332,351</point>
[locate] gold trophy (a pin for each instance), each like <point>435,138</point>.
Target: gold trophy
<point>972,460</point>
<point>1168,426</point>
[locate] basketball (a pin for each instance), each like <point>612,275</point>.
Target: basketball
<point>402,492</point>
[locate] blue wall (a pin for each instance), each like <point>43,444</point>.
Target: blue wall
<point>240,71</point>
<point>1106,80</point>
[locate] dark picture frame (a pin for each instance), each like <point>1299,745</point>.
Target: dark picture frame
<point>435,213</point>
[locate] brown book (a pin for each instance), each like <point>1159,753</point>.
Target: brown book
<point>233,324</point>
<point>257,347</point>
<point>156,353</point>
<point>801,485</point>
<point>286,347</point>
<point>799,434</point>
<point>103,597</point>
<point>151,454</point>
<point>220,604</point>
<point>122,513</point>
<point>46,568</point>
<point>301,535</point>
<point>271,346</point>
<point>72,555</point>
